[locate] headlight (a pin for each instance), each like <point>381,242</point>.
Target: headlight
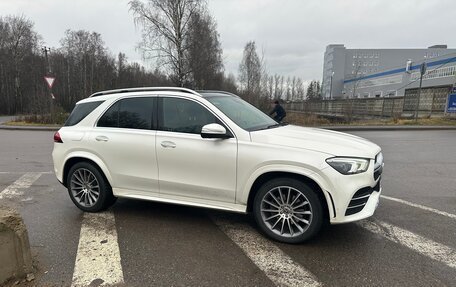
<point>347,165</point>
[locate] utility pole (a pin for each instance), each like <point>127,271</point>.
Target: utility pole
<point>422,72</point>
<point>46,50</point>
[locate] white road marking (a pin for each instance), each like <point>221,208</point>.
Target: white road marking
<point>422,245</point>
<point>98,256</point>
<point>21,172</point>
<point>17,187</point>
<point>277,266</point>
<point>450,215</point>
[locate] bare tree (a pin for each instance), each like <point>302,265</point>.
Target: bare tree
<point>250,73</point>
<point>356,73</point>
<point>204,53</point>
<point>293,88</point>
<point>165,32</point>
<point>300,92</point>
<point>18,42</point>
<point>278,86</point>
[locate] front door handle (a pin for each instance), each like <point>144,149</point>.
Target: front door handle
<point>101,138</point>
<point>168,144</point>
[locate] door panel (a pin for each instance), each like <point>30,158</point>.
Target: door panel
<point>197,167</point>
<point>190,166</point>
<point>130,157</point>
<point>125,140</point>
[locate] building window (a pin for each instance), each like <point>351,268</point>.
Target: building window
<point>378,94</point>
<point>391,93</point>
<point>380,81</point>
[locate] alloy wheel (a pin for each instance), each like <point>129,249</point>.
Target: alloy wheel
<point>286,211</point>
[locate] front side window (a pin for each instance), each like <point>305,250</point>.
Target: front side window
<point>242,113</point>
<point>131,113</point>
<point>184,116</point>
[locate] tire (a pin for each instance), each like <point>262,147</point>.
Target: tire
<point>288,210</point>
<point>88,188</point>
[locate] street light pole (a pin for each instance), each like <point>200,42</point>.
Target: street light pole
<point>422,72</point>
<point>331,85</point>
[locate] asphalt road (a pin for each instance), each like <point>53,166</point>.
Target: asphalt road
<point>169,245</point>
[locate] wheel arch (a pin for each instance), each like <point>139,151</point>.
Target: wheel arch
<point>324,197</point>
<point>97,163</point>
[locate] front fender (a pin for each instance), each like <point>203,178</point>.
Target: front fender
<point>313,175</point>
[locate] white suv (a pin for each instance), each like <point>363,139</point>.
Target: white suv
<point>212,149</point>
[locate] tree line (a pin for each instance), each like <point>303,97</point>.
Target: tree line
<point>180,36</point>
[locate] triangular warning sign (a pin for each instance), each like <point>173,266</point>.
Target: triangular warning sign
<point>49,81</point>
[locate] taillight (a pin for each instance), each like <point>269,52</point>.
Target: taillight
<point>57,138</point>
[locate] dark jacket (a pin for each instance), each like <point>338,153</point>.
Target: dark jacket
<point>279,113</point>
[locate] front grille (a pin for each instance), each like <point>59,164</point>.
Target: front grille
<point>360,199</point>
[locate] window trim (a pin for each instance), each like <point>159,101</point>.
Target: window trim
<point>160,115</point>
<point>154,117</point>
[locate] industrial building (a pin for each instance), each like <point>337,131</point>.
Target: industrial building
<point>371,73</point>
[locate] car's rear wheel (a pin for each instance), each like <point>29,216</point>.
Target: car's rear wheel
<point>288,210</point>
<point>88,188</point>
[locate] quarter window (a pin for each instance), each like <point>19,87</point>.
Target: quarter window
<point>80,112</point>
<point>184,116</point>
<point>131,113</point>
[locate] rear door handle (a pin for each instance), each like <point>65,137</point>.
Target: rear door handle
<point>168,144</point>
<point>101,138</point>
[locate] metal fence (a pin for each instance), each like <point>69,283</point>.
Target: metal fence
<point>432,102</point>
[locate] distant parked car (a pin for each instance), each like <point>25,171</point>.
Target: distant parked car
<point>212,149</point>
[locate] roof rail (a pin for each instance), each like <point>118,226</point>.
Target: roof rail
<point>216,91</point>
<point>145,89</point>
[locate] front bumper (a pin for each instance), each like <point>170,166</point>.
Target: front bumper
<point>354,197</point>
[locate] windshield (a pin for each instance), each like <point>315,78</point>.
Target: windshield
<point>242,113</point>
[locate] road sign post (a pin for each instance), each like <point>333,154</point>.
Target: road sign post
<point>49,81</point>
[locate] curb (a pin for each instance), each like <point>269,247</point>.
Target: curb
<point>387,128</point>
<point>28,128</point>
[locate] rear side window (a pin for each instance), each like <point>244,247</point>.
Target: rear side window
<point>80,112</point>
<point>131,113</point>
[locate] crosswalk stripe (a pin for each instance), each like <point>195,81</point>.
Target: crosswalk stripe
<point>98,257</point>
<point>21,172</point>
<point>420,244</point>
<point>450,215</point>
<point>277,266</point>
<point>17,187</point>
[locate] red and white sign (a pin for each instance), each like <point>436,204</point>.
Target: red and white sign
<point>49,81</point>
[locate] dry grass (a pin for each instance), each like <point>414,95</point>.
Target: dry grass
<point>304,119</point>
<point>24,123</point>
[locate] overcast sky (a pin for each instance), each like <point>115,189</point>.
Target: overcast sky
<point>292,33</point>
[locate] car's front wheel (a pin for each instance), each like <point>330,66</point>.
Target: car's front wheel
<point>288,210</point>
<point>88,188</point>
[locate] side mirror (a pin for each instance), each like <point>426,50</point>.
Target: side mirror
<point>214,131</point>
